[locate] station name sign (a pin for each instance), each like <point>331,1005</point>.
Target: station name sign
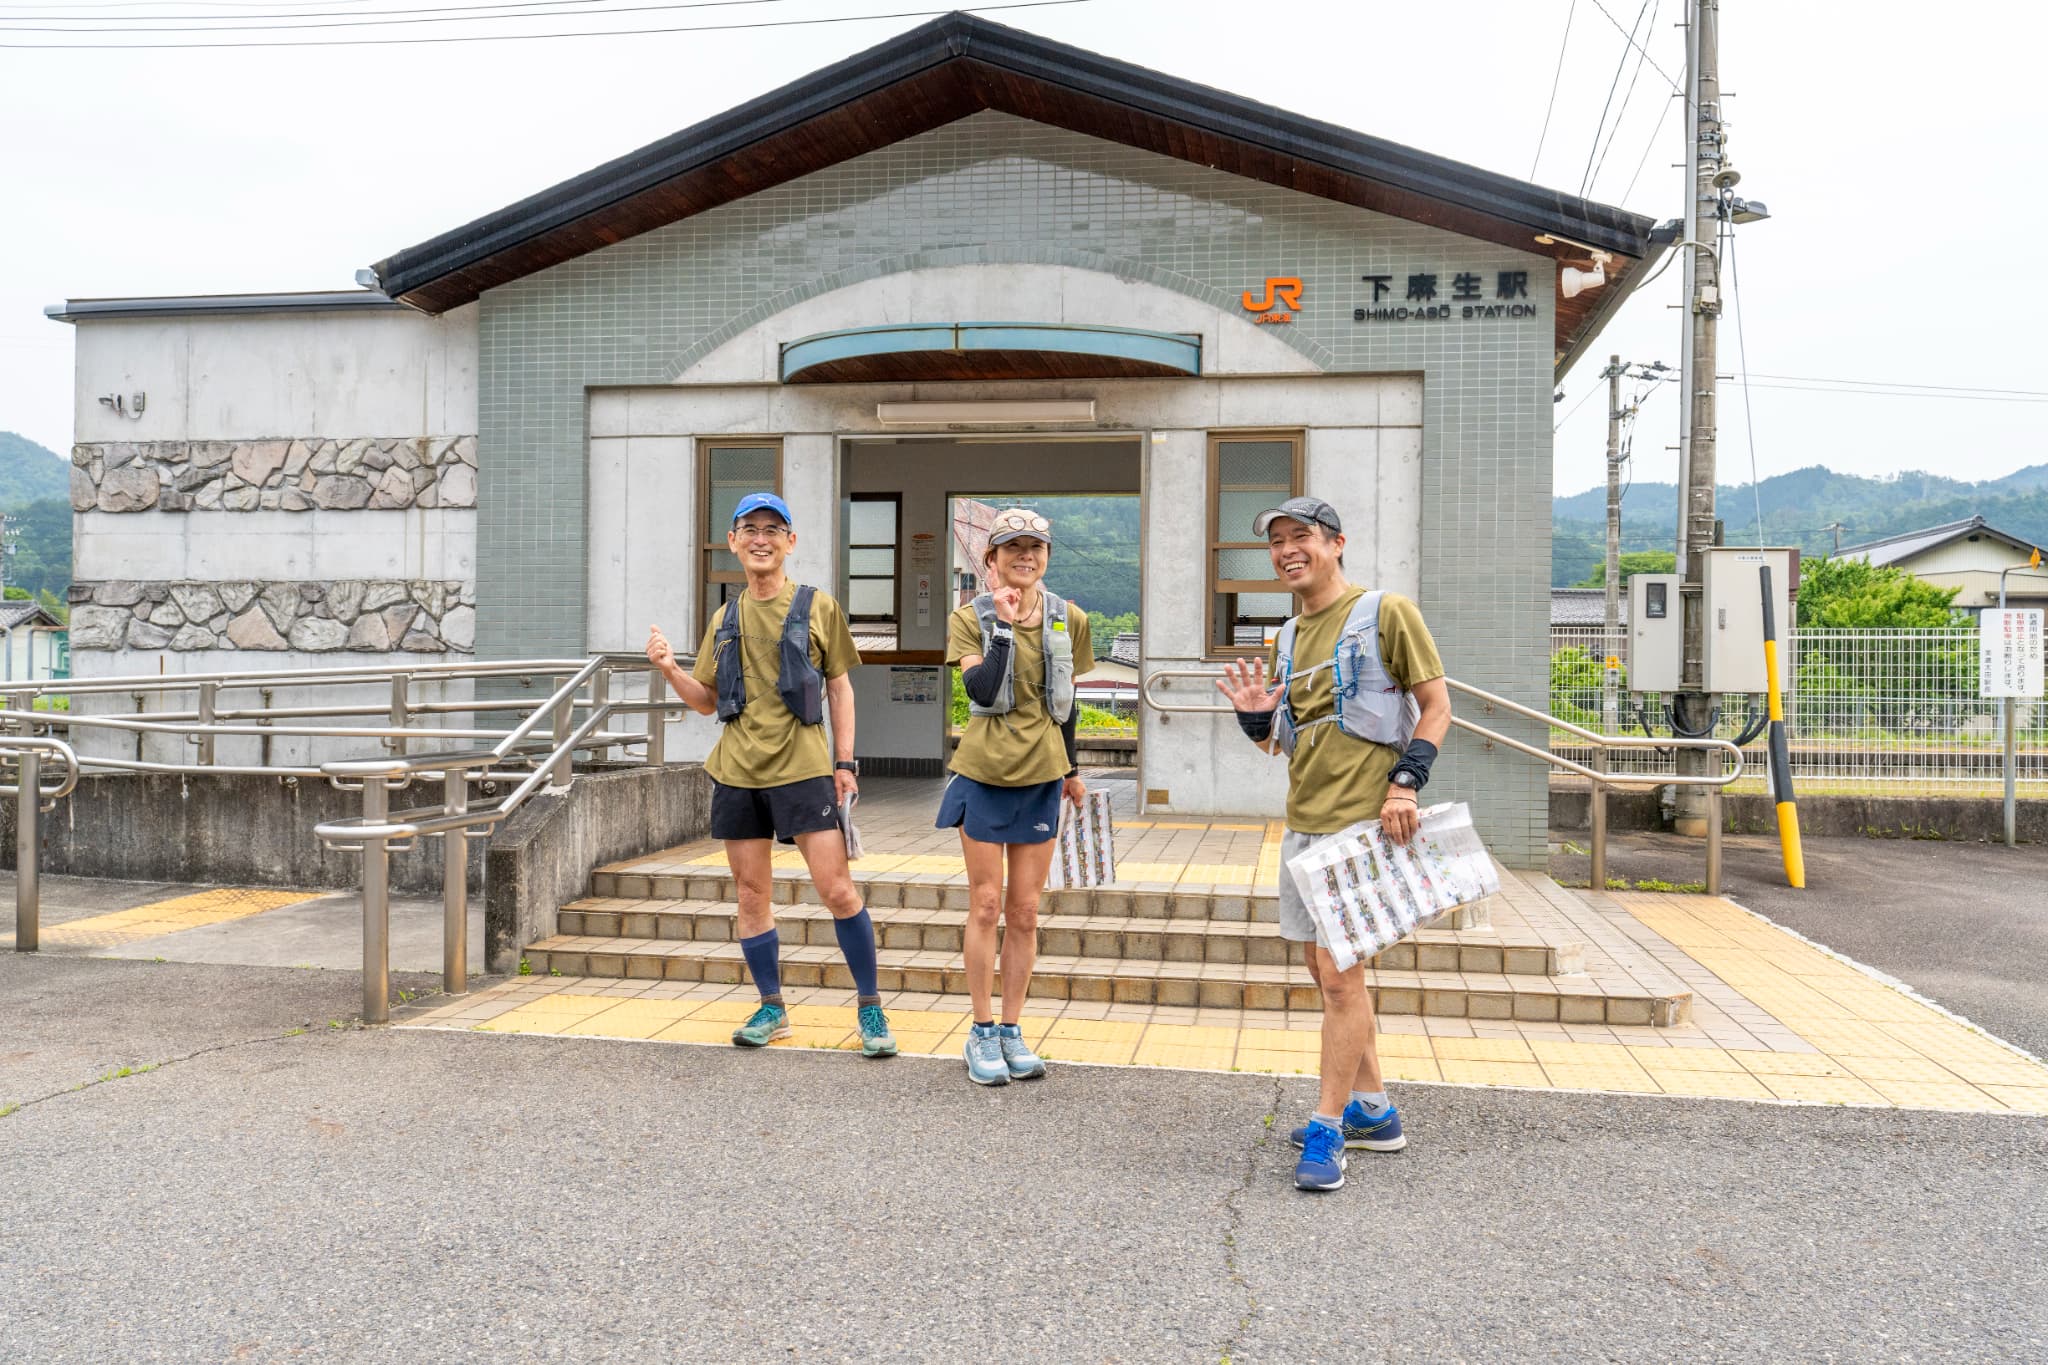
<point>1429,297</point>
<point>1461,297</point>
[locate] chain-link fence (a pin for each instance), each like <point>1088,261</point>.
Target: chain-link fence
<point>1870,711</point>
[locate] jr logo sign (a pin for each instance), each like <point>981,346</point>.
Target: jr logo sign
<point>1281,302</point>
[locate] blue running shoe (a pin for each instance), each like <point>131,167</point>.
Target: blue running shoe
<point>763,1027</point>
<point>875,1038</point>
<point>985,1064</point>
<point>1024,1064</point>
<point>1322,1159</point>
<point>1362,1131</point>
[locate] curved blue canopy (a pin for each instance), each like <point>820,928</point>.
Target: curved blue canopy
<point>989,350</point>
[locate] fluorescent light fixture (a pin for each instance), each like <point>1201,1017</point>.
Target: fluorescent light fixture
<point>990,412</point>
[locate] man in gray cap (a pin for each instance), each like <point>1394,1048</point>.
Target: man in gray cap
<point>1363,755</point>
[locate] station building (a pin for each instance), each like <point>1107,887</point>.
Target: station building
<point>966,263</point>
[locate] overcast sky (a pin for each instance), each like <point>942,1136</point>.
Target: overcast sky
<point>1898,148</point>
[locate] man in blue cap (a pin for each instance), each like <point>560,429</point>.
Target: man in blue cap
<point>774,659</point>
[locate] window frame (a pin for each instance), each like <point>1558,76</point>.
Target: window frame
<point>1221,587</point>
<point>710,539</point>
<point>895,575</point>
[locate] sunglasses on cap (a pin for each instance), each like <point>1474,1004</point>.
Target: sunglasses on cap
<point>1015,523</point>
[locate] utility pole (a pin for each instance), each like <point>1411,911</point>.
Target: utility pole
<point>1610,642</point>
<point>1711,174</point>
<point>1837,528</point>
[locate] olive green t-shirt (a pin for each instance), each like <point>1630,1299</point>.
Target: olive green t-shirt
<point>1023,748</point>
<point>765,746</point>
<point>1335,779</point>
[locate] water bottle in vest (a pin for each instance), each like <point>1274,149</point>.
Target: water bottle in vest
<point>1369,703</point>
<point>798,681</point>
<point>1059,661</point>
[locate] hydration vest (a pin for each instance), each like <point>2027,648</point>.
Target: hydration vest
<point>1059,661</point>
<point>799,683</point>
<point>1369,703</point>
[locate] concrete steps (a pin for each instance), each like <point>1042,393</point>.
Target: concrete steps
<point>1126,947</point>
<point>940,892</point>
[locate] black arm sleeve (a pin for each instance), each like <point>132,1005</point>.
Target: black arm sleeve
<point>1416,761</point>
<point>1257,725</point>
<point>1067,735</point>
<point>984,681</point>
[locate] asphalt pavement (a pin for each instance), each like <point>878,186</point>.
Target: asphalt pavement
<point>283,1188</point>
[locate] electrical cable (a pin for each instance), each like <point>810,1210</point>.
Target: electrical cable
<point>1902,384</point>
<point>1556,77</point>
<point>376,19</point>
<point>1568,416</point>
<point>1727,240</point>
<point>1648,147</point>
<point>1586,179</point>
<point>371,16</point>
<point>520,37</point>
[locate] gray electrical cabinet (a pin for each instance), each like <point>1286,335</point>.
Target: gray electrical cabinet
<point>1656,628</point>
<point>1732,598</point>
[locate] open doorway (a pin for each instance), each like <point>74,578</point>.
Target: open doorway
<point>909,556</point>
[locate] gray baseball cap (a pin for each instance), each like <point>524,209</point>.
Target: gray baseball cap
<point>1305,510</point>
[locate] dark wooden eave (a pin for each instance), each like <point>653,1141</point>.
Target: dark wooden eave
<point>959,65</point>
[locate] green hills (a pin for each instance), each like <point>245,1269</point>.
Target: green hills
<point>35,486</point>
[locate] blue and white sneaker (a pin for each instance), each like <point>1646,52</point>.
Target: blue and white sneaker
<point>1024,1064</point>
<point>1363,1131</point>
<point>985,1064</point>
<point>1322,1159</point>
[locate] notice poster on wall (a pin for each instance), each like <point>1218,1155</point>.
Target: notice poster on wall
<point>2009,653</point>
<point>913,685</point>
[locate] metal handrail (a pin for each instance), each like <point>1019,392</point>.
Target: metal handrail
<point>539,749</point>
<point>28,751</point>
<point>1600,779</point>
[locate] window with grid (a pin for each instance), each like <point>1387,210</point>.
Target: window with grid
<point>1248,473</point>
<point>873,556</point>
<point>731,470</point>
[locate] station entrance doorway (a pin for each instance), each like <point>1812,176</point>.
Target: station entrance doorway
<point>914,517</point>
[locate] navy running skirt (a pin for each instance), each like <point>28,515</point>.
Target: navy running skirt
<point>1001,815</point>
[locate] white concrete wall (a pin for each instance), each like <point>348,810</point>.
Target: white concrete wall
<point>329,375</point>
<point>29,653</point>
<point>256,376</point>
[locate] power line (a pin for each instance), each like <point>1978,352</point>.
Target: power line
<point>1648,147</point>
<point>1630,35</point>
<point>1574,408</point>
<point>1613,85</point>
<point>1900,393</point>
<point>377,19</point>
<point>1904,384</point>
<point>519,37</point>
<point>299,14</point>
<point>1555,78</point>
<point>1742,355</point>
<point>1627,97</point>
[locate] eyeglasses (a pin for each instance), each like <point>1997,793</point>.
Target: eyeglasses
<point>1017,519</point>
<point>746,530</point>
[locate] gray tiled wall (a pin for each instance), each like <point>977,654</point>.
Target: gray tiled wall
<point>997,188</point>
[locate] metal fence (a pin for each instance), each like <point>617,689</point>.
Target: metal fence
<point>1869,711</point>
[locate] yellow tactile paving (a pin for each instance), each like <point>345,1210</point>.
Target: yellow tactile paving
<point>193,911</point>
<point>1837,1034</point>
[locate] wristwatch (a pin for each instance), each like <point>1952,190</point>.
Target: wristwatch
<point>848,765</point>
<point>1404,780</point>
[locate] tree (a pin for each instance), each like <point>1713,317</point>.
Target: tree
<point>1103,630</point>
<point>1848,594</point>
<point>1632,563</point>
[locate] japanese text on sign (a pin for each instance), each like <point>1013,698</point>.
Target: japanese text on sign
<point>2009,649</point>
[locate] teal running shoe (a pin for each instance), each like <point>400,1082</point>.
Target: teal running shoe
<point>985,1064</point>
<point>1024,1064</point>
<point>875,1038</point>
<point>765,1025</point>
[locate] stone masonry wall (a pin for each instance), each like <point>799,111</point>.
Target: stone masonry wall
<point>373,616</point>
<point>274,475</point>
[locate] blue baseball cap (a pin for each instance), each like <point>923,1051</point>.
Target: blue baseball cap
<point>755,502</point>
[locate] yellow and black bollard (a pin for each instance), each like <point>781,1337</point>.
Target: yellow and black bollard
<point>1780,751</point>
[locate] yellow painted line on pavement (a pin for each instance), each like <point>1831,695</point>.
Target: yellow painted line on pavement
<point>179,913</point>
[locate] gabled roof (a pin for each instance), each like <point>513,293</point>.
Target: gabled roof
<point>1896,549</point>
<point>1584,607</point>
<point>959,65</point>
<point>15,613</point>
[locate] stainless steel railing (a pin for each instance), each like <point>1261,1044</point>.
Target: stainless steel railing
<point>1596,773</point>
<point>537,750</point>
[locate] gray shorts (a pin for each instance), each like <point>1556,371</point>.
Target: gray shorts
<point>1297,925</point>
